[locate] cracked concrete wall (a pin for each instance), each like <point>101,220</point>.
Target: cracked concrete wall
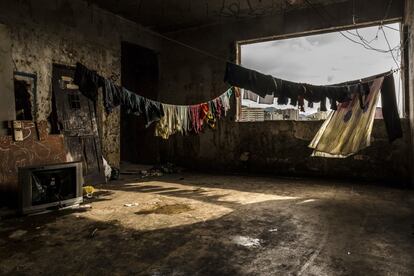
<point>7,104</point>
<point>65,32</point>
<point>278,147</point>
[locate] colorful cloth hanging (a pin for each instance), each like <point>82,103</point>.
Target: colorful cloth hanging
<point>348,129</point>
<point>187,119</point>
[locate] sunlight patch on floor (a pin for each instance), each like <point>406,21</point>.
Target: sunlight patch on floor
<point>156,205</point>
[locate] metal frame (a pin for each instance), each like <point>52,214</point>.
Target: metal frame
<point>25,187</point>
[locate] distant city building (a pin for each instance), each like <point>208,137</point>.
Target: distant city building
<point>254,114</point>
<point>290,114</point>
<point>249,114</point>
<point>320,115</point>
<point>282,114</point>
<point>378,113</point>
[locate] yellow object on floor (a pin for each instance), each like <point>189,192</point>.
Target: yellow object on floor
<point>88,191</point>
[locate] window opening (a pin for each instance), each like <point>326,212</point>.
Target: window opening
<point>320,59</point>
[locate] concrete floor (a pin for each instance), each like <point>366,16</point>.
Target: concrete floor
<point>197,224</point>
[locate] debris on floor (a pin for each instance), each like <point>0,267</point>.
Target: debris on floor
<point>246,241</point>
<point>306,201</point>
<point>157,170</point>
<point>131,204</point>
<point>88,191</point>
<point>17,234</point>
<point>114,173</point>
<point>107,169</point>
<point>81,207</point>
<point>93,232</point>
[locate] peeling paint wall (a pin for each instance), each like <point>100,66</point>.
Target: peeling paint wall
<point>278,147</point>
<point>65,32</point>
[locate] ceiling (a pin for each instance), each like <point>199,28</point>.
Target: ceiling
<point>172,15</point>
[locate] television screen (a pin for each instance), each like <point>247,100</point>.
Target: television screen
<point>50,186</point>
<point>53,185</point>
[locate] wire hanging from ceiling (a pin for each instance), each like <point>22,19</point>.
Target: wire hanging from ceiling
<point>361,41</point>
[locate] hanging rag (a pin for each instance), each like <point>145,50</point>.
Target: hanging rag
<point>348,129</point>
<point>153,111</point>
<point>225,99</point>
<point>219,107</point>
<point>111,95</point>
<point>249,95</point>
<point>196,118</point>
<point>390,109</point>
<point>169,124</point>
<point>88,81</point>
<point>183,119</point>
<point>254,81</point>
<point>268,99</point>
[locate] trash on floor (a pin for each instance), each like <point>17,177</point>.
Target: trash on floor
<point>107,169</point>
<point>114,173</point>
<point>306,201</point>
<point>88,191</point>
<point>81,207</point>
<point>160,170</point>
<point>93,232</point>
<point>131,204</point>
<point>246,241</point>
<point>17,234</point>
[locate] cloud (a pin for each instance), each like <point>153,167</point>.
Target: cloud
<point>319,59</point>
<point>330,78</point>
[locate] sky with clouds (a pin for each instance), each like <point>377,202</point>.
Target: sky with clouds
<point>325,58</point>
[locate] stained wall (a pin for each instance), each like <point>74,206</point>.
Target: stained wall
<point>65,32</point>
<point>278,147</point>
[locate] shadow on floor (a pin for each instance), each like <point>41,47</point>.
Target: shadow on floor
<point>332,237</point>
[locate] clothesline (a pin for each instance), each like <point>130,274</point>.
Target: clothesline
<point>91,81</point>
<point>271,87</point>
<point>186,119</point>
<point>267,85</point>
<point>170,118</point>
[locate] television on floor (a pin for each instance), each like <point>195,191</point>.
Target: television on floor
<point>48,187</point>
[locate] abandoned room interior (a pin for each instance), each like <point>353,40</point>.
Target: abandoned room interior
<point>208,137</point>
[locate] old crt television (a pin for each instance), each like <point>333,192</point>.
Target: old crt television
<point>49,187</point>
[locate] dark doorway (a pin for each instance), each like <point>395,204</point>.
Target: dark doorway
<point>140,74</point>
<point>73,115</point>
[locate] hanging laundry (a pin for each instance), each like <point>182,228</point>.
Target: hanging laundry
<point>132,103</point>
<point>197,118</point>
<point>183,117</point>
<point>169,123</point>
<point>88,81</point>
<point>269,99</point>
<point>219,108</point>
<point>153,111</point>
<point>207,111</point>
<point>259,83</point>
<point>249,95</point>
<point>348,129</point>
<point>225,99</point>
<point>111,95</point>
<point>390,109</point>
